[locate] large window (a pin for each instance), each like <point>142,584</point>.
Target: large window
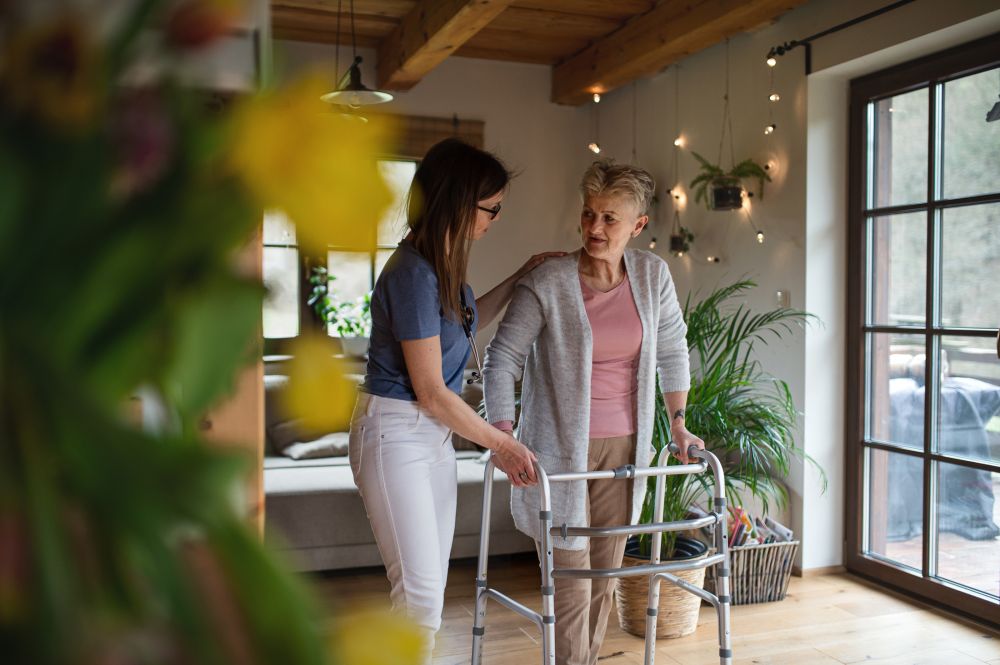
<point>924,306</point>
<point>287,269</point>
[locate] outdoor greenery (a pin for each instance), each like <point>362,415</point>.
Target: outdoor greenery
<point>745,416</point>
<point>123,213</point>
<point>712,175</point>
<point>349,319</point>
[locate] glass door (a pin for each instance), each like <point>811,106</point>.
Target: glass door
<point>924,310</point>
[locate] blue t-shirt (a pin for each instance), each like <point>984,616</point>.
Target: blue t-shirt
<point>405,306</point>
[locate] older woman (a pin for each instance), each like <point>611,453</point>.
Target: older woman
<point>587,331</point>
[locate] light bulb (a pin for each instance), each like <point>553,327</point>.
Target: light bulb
<point>774,97</point>
<point>652,243</point>
<point>594,148</point>
<point>679,141</point>
<point>760,237</point>
<point>770,128</point>
<point>771,61</point>
<point>597,98</point>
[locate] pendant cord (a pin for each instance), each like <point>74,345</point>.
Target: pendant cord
<point>727,120</point>
<point>336,51</point>
<point>354,43</point>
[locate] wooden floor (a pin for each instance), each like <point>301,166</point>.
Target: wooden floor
<point>825,620</point>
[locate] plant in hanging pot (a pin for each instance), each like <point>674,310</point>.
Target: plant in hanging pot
<point>746,418</point>
<point>680,240</point>
<point>721,190</point>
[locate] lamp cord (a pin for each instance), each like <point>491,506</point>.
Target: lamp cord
<point>336,51</point>
<point>354,43</point>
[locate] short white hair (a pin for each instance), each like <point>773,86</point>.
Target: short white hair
<point>606,177</point>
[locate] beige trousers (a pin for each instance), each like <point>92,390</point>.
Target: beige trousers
<point>582,606</point>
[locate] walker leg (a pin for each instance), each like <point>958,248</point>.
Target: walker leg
<point>548,616</point>
<point>722,579</point>
<point>548,591</point>
<point>479,618</point>
<point>652,610</point>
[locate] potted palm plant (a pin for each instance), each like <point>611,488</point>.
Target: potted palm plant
<point>721,190</point>
<point>746,418</point>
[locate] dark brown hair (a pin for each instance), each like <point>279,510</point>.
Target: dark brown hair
<point>449,183</point>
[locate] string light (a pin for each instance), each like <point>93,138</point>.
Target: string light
<point>679,141</point>
<point>652,243</point>
<point>771,61</point>
<point>760,237</point>
<point>597,98</point>
<point>773,96</point>
<point>595,145</point>
<point>713,259</point>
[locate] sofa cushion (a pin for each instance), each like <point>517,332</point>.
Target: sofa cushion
<point>330,445</point>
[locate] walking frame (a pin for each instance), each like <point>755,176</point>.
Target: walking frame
<point>657,570</point>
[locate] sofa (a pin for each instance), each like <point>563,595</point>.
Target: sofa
<point>314,514</point>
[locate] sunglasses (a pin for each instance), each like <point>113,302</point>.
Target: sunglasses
<point>494,211</point>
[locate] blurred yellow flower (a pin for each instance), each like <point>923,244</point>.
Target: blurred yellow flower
<point>52,71</point>
<point>316,165</point>
<point>376,637</point>
<point>318,392</point>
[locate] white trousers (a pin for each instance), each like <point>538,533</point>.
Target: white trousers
<point>404,466</point>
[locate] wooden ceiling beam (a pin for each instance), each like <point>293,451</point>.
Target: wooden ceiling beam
<point>431,32</point>
<point>649,42</point>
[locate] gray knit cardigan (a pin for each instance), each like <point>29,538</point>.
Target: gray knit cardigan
<point>546,335</point>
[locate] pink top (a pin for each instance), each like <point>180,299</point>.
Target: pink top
<point>614,383</point>
<point>617,333</point>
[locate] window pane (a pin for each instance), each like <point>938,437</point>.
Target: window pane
<point>968,419</point>
<point>381,257</point>
<point>896,389</point>
<point>899,269</point>
<point>398,176</point>
<point>968,521</point>
<point>900,144</point>
<point>895,507</point>
<point>354,274</point>
<point>970,243</point>
<point>971,152</point>
<point>278,229</point>
<point>281,278</point>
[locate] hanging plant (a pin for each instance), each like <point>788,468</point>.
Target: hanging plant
<point>721,190</point>
<point>681,237</point>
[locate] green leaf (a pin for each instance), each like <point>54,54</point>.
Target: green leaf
<point>211,343</point>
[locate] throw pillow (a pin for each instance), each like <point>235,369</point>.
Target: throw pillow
<point>331,445</point>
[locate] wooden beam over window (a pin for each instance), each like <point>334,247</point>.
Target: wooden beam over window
<point>649,42</point>
<point>431,32</point>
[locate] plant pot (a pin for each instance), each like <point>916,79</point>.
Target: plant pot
<point>727,194</point>
<point>356,347</point>
<point>678,612</point>
<point>679,245</point>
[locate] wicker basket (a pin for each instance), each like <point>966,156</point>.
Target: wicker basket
<point>678,615</point>
<point>760,573</point>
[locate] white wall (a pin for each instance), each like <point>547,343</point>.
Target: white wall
<point>802,213</point>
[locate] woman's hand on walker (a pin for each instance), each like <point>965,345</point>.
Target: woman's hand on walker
<point>535,261</point>
<point>684,440</point>
<point>517,461</point>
